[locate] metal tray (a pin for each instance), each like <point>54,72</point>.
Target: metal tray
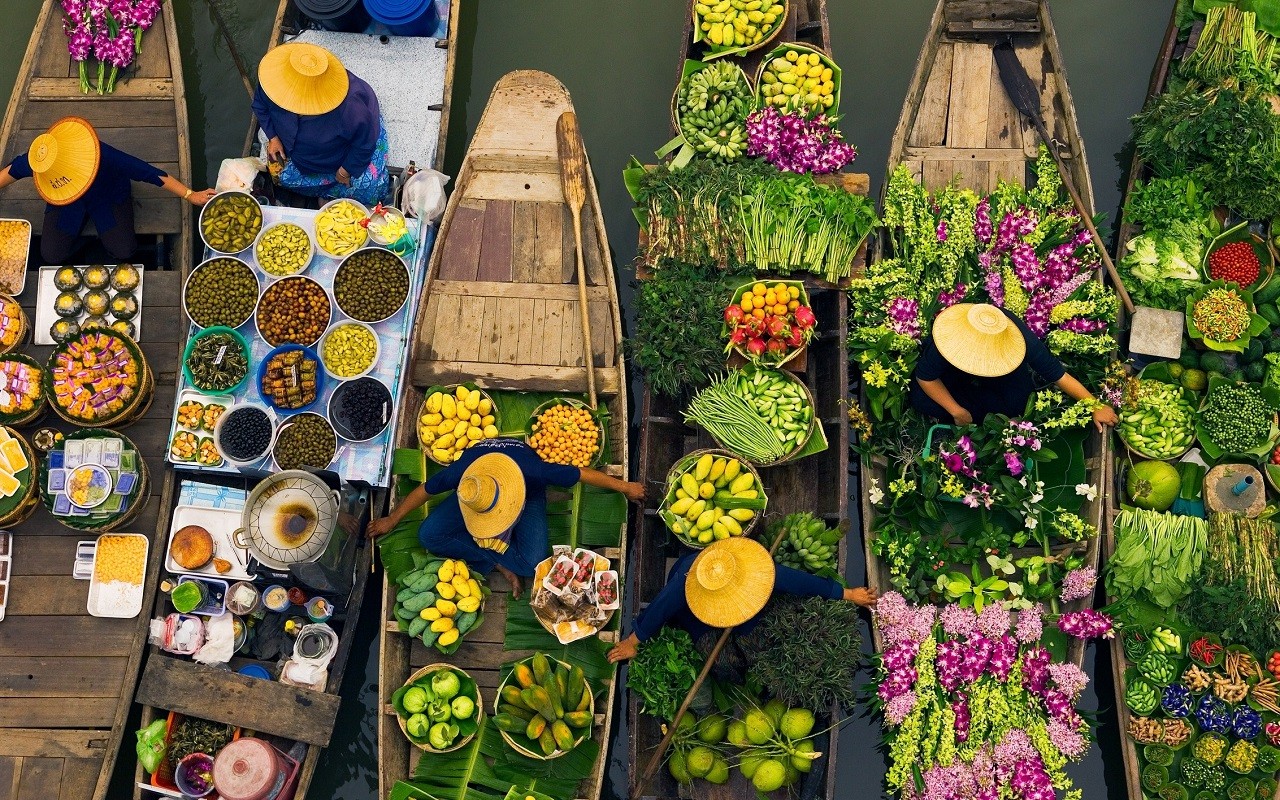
<point>132,606</point>
<point>46,293</point>
<point>220,523</point>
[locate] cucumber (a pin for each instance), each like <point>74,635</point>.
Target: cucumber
<point>1270,313</point>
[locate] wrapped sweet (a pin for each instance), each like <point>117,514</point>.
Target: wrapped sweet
<point>97,302</point>
<point>97,277</point>
<point>125,327</point>
<point>64,330</point>
<point>125,278</point>
<point>20,388</point>
<point>96,321</point>
<point>124,306</point>
<point>68,305</point>
<point>13,323</point>
<point>95,377</point>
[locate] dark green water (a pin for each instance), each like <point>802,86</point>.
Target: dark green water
<point>618,59</point>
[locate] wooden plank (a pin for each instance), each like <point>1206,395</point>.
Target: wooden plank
<point>83,743</point>
<point>516,377</point>
<point>468,331</point>
<point>221,696</point>
<point>571,336</point>
<point>963,154</point>
<point>153,61</point>
<point>1004,123</point>
<point>549,260</point>
<point>532,336</point>
<point>1012,171</point>
<point>39,779</point>
<point>1034,58</point>
<point>551,323</point>
<point>69,89</point>
<point>988,17</point>
<point>490,330</point>
<point>558,291</point>
<point>439,340</point>
<point>539,187</point>
<point>604,348</point>
<point>461,246</point>
<point>970,95</point>
<point>66,636</point>
<point>79,777</point>
<point>496,242</point>
<point>930,129</point>
<point>52,58</point>
<point>109,113</point>
<point>153,145</point>
<point>523,241</point>
<point>594,257</point>
<point>60,676</point>
<point>47,595</point>
<point>50,554</point>
<point>937,174</point>
<point>509,333</point>
<point>150,216</point>
<point>39,712</point>
<point>10,769</point>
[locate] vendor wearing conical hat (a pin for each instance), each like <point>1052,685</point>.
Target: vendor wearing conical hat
<point>496,514</point>
<point>81,178</point>
<point>982,360</point>
<point>323,123</point>
<point>727,585</point>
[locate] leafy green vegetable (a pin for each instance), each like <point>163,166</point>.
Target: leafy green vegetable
<point>1157,555</point>
<point>807,652</point>
<point>1161,268</point>
<point>663,672</point>
<point>1162,204</point>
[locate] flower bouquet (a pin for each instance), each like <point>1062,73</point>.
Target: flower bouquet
<point>1221,316</point>
<point>108,30</point>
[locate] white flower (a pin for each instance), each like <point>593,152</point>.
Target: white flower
<point>1038,494</point>
<point>1087,490</point>
<point>1031,522</point>
<point>875,493</point>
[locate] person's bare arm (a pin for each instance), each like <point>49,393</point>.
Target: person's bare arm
<point>410,502</point>
<point>6,178</point>
<point>178,188</point>
<point>594,477</point>
<point>1104,416</point>
<point>937,391</point>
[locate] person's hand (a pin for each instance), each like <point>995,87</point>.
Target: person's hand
<point>624,650</point>
<point>862,596</point>
<point>1105,417</point>
<point>201,197</point>
<point>378,527</point>
<point>962,417</point>
<point>634,492</point>
<point>275,149</point>
<point>343,176</point>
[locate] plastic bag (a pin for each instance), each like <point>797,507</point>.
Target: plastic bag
<point>237,174</point>
<point>151,745</point>
<point>423,195</point>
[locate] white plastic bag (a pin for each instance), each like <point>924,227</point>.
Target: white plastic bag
<point>237,174</point>
<point>423,195</point>
<point>219,641</point>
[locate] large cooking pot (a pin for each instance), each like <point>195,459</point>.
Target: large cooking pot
<point>288,519</point>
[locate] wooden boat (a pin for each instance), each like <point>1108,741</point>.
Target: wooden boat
<point>146,116</point>
<point>501,309</point>
<point>958,124</point>
<point>810,484</point>
<point>67,678</point>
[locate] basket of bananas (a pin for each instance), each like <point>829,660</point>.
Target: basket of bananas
<point>710,108</point>
<point>800,78</point>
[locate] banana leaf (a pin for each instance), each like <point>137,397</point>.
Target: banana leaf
<point>524,632</point>
<point>485,770</point>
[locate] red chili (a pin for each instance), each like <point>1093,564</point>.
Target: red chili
<point>1204,650</point>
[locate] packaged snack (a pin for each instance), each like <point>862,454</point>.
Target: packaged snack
<point>561,575</point>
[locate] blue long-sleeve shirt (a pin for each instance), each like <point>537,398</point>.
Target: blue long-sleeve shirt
<point>319,144</point>
<point>671,607</point>
<point>110,186</point>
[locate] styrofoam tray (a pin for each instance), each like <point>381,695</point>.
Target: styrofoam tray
<point>224,400</point>
<point>131,605</point>
<point>46,293</point>
<point>220,523</point>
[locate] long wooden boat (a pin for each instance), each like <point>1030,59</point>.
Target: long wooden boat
<point>958,124</point>
<point>146,116</point>
<point>66,677</point>
<point>501,309</point>
<point>810,484</point>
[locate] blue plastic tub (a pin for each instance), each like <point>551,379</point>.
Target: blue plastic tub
<point>346,16</point>
<point>404,17</point>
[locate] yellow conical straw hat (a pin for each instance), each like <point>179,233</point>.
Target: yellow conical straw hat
<point>979,339</point>
<point>303,78</point>
<point>64,160</point>
<point>730,581</point>
<point>491,495</point>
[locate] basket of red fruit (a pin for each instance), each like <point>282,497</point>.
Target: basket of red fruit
<point>1239,256</point>
<point>769,324</point>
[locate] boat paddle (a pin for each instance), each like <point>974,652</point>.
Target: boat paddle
<point>231,45</point>
<point>573,180</point>
<point>656,759</point>
<point>1026,98</point>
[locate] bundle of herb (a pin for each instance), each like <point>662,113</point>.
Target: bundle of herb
<point>679,313</point>
<point>1161,204</point>
<point>1245,549</point>
<point>1227,609</point>
<point>807,652</point>
<point>663,672</point>
<point>194,735</point>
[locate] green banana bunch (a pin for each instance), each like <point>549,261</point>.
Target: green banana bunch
<point>809,544</point>
<point>713,104</point>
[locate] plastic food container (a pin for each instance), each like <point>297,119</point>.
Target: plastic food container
<point>292,381</point>
<point>243,598</point>
<point>119,575</point>
<point>214,591</point>
<point>276,598</point>
<point>191,343</point>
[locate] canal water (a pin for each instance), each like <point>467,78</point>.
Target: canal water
<point>617,58</point>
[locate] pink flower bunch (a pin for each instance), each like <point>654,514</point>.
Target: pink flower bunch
<point>1069,678</point>
<point>1030,624</point>
<point>796,143</point>
<point>948,299</point>
<point>962,459</point>
<point>942,230</point>
<point>994,621</point>
<point>961,709</point>
<point>145,13</point>
<point>1035,670</point>
<point>951,657</point>
<point>958,620</point>
<point>982,222</point>
<point>904,317</point>
<point>1086,624</point>
<point>1078,584</point>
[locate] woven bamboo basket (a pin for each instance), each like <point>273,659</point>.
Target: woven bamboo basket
<point>41,407</point>
<point>718,51</point>
<point>685,464</point>
<point>24,325</point>
<point>138,498</point>
<point>521,749</point>
<point>131,412</point>
<point>804,441</point>
<point>598,415</point>
<point>23,504</point>
<point>451,388</point>
<point>422,673</point>
<point>826,61</point>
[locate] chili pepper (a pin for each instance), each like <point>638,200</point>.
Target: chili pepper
<point>1204,650</point>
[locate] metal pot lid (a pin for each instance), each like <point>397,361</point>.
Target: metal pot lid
<point>289,518</point>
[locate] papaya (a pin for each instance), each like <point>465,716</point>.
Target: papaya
<point>524,677</point>
<point>510,723</point>
<point>575,687</point>
<point>585,703</point>
<point>578,719</point>
<point>535,726</point>
<point>561,733</point>
<point>553,694</point>
<point>541,668</point>
<point>562,681</point>
<point>537,698</point>
<point>547,741</point>
<point>516,711</point>
<point>511,695</point>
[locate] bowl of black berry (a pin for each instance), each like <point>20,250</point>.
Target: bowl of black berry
<point>243,433</point>
<point>360,409</point>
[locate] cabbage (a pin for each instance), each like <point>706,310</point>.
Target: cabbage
<point>1164,266</point>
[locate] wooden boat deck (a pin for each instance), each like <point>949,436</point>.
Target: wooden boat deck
<point>959,126</point>
<point>500,308</point>
<point>67,678</point>
<point>146,117</point>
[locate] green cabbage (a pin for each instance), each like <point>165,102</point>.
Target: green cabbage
<point>1163,267</point>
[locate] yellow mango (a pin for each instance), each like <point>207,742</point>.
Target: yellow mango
<point>460,584</point>
<point>473,401</point>
<point>445,573</point>
<point>460,569</point>
<point>432,419</point>
<point>475,588</point>
<point>430,614</point>
<point>469,604</point>
<point>441,625</point>
<point>448,406</point>
<point>462,393</point>
<point>446,590</point>
<point>448,637</point>
<point>441,455</point>
<point>433,403</point>
<point>485,406</point>
<point>447,608</point>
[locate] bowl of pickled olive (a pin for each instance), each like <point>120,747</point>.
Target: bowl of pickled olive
<point>294,310</point>
<point>349,350</point>
<point>290,378</point>
<point>283,249</point>
<point>230,222</point>
<point>221,291</point>
<point>305,440</point>
<point>371,285</point>
<point>216,361</point>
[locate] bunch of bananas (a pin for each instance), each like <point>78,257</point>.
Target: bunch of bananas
<point>738,23</point>
<point>809,544</point>
<point>712,105</point>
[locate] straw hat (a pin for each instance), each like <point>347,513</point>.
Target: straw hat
<point>979,339</point>
<point>64,160</point>
<point>491,495</point>
<point>729,582</point>
<point>303,78</point>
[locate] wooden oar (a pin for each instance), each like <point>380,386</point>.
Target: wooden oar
<point>231,46</point>
<point>573,179</point>
<point>1026,98</point>
<point>656,760</point>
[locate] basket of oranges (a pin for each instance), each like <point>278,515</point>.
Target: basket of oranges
<point>769,324</point>
<point>568,431</point>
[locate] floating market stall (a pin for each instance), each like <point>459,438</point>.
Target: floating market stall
<point>1190,564</point>
<point>503,338</point>
<point>742,421</point>
<point>1003,515</point>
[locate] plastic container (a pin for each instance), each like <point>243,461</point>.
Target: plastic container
<point>268,598</point>
<point>404,17</point>
<point>253,769</point>
<point>237,598</point>
<point>319,609</point>
<point>262,297</point>
<point>191,343</point>
<point>308,354</point>
<point>343,16</point>
<point>187,783</point>
<point>215,593</point>
<point>255,671</point>
<point>362,207</point>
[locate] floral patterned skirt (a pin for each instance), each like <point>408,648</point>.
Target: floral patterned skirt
<point>369,187</point>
